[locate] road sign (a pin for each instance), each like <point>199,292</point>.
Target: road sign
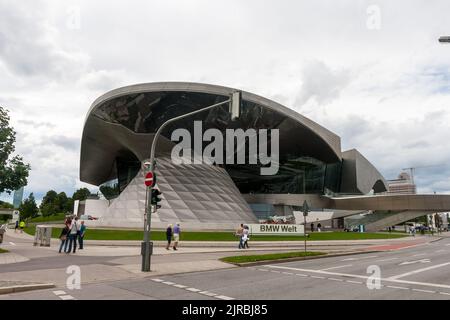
<point>150,179</point>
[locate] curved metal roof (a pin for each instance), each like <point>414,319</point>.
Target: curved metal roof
<point>98,150</point>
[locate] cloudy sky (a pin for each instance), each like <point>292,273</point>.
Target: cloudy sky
<point>373,72</point>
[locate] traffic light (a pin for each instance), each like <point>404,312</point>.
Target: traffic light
<point>156,198</point>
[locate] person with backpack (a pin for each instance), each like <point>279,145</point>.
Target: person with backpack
<point>73,234</point>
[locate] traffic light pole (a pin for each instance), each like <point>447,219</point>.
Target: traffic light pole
<point>147,246</point>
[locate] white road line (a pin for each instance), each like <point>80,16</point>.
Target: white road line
<point>390,259</point>
<point>353,259</point>
<point>351,281</point>
<point>193,289</point>
<point>338,267</point>
<point>426,284</point>
<point>67,297</point>
<point>401,288</point>
<point>180,286</point>
<point>419,254</point>
<point>274,271</point>
<point>289,273</point>
<point>12,243</point>
<point>418,271</point>
<point>168,283</point>
<point>262,270</point>
<point>437,251</point>
<point>335,279</point>
<point>224,298</point>
<point>420,290</point>
<point>157,280</point>
<point>209,294</point>
<point>301,275</point>
<point>59,292</point>
<point>317,277</point>
<point>445,293</point>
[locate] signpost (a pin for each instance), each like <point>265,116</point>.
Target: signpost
<point>150,179</point>
<point>305,210</point>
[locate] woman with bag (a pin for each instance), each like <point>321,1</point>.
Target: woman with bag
<point>63,237</point>
<point>169,234</point>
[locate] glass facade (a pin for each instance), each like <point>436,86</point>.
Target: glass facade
<point>306,163</point>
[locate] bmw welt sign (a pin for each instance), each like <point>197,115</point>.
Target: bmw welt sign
<point>279,229</point>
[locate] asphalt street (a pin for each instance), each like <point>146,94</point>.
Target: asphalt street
<point>420,272</point>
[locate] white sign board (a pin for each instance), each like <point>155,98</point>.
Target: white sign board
<point>277,229</point>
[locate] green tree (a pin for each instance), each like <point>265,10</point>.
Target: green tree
<point>81,194</point>
<point>13,171</point>
<point>62,201</point>
<point>49,205</point>
<point>28,208</point>
<point>6,205</point>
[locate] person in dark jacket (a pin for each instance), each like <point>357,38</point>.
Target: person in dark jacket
<point>63,238</point>
<point>169,234</point>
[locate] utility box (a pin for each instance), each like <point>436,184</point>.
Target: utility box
<point>43,236</point>
<point>2,232</point>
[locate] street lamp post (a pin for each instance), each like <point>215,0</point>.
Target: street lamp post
<point>305,214</point>
<point>234,101</point>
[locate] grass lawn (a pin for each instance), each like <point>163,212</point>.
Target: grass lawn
<point>100,234</point>
<point>59,217</point>
<point>3,251</point>
<point>270,256</point>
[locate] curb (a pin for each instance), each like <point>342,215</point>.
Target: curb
<point>264,262</point>
<point>26,287</point>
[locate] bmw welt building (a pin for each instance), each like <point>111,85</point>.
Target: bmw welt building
<point>306,161</point>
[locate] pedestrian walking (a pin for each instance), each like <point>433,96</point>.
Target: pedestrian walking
<point>16,227</point>
<point>21,226</point>
<point>176,236</point>
<point>63,238</point>
<point>81,234</point>
<point>312,227</point>
<point>169,234</point>
<point>73,234</point>
<point>239,233</point>
<point>319,227</point>
<point>245,237</point>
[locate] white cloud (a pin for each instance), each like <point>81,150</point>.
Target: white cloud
<point>386,91</point>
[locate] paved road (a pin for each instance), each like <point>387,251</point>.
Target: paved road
<point>421,272</point>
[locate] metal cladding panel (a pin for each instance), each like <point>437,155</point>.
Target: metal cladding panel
<point>359,176</point>
<point>220,202</point>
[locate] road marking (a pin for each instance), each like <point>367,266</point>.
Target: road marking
<point>439,251</point>
<point>390,259</point>
<point>420,290</point>
<point>193,289</point>
<point>262,270</point>
<point>415,261</point>
<point>445,293</point>
<point>67,297</point>
<point>338,267</point>
<point>274,271</point>
<point>209,294</point>
<point>353,259</point>
<point>59,292</point>
<point>180,286</point>
<point>301,275</point>
<point>317,277</point>
<point>401,288</point>
<point>157,280</point>
<point>168,283</point>
<point>224,297</point>
<point>351,281</point>
<point>335,279</point>
<point>289,273</point>
<point>365,277</point>
<point>418,271</point>
<point>12,243</point>
<point>418,255</point>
